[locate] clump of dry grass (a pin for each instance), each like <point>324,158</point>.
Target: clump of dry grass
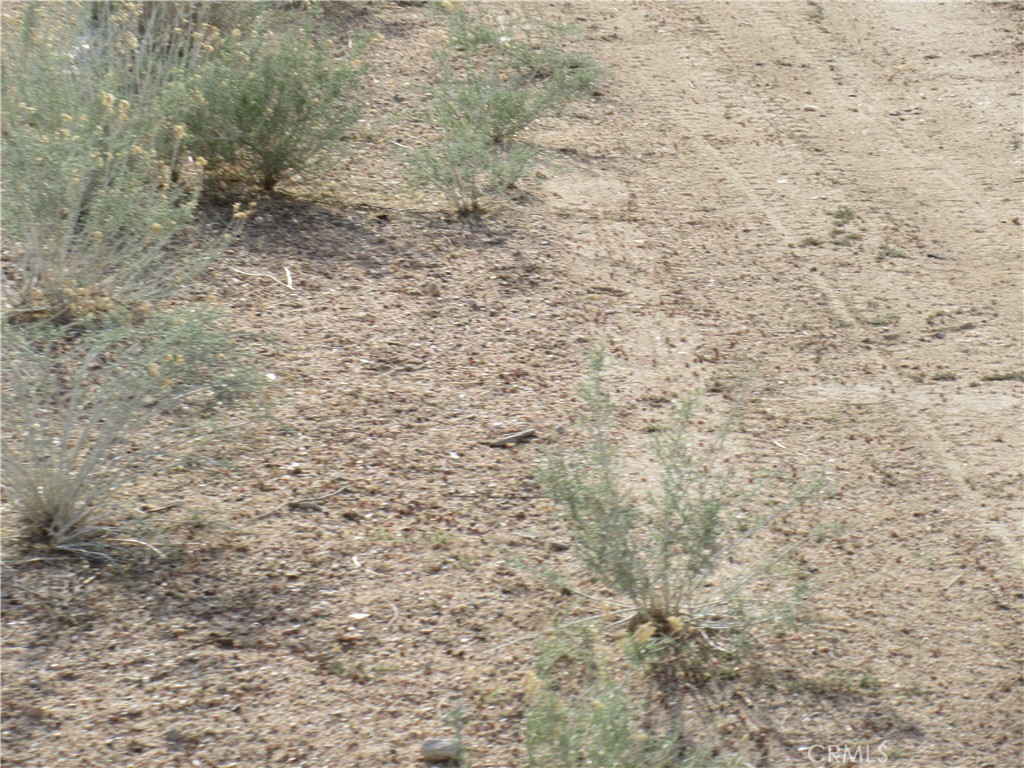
<point>84,414</point>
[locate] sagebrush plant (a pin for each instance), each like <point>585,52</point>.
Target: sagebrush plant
<point>101,381</point>
<point>687,556</point>
<point>600,725</point>
<point>588,706</point>
<point>268,102</point>
<point>157,44</point>
<point>500,91</point>
<point>523,52</point>
<point>468,169</point>
<point>596,726</point>
<point>86,412</point>
<point>91,163</point>
<point>495,80</point>
<point>485,104</point>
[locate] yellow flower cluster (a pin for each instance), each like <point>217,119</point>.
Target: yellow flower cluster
<point>239,214</point>
<point>156,372</point>
<point>676,625</point>
<point>644,632</point>
<point>81,300</point>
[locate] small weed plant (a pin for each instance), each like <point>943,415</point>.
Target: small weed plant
<point>596,726</point>
<point>687,555</point>
<point>468,169</point>
<point>526,53</point>
<point>497,77</point>
<point>888,252</point>
<point>582,711</point>
<point>1004,376</point>
<point>843,215</point>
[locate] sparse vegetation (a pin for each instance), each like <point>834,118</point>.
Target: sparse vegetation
<point>594,726</point>
<point>843,215</point>
<point>1004,376</point>
<point>493,84</point>
<point>888,252</point>
<point>835,684</point>
<point>675,554</point>
<point>845,238</point>
<point>83,415</point>
<point>269,101</point>
<point>883,320</point>
<point>469,169</point>
<point>588,707</point>
<point>91,205</point>
<point>100,203</point>
<point>378,553</point>
<point>527,52</point>
<point>581,712</point>
<point>841,218</point>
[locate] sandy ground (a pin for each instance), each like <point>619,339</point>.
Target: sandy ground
<point>691,219</point>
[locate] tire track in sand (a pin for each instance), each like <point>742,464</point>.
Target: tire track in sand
<point>942,191</point>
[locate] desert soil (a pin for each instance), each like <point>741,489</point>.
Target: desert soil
<point>686,221</point>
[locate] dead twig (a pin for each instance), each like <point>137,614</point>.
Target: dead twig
<point>308,504</point>
<point>287,283</point>
<point>160,509</point>
<point>516,437</point>
<point>311,503</point>
<point>361,567</point>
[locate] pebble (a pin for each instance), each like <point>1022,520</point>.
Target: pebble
<point>440,750</point>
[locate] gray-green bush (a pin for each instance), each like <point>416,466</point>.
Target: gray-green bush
<point>595,726</point>
<point>468,169</point>
<point>523,52</point>
<point>85,414</point>
<point>90,155</point>
<point>485,104</point>
<point>588,708</point>
<point>265,104</point>
<point>494,83</point>
<point>687,556</point>
<point>101,381</point>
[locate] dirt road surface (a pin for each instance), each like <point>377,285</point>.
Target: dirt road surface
<point>824,198</point>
